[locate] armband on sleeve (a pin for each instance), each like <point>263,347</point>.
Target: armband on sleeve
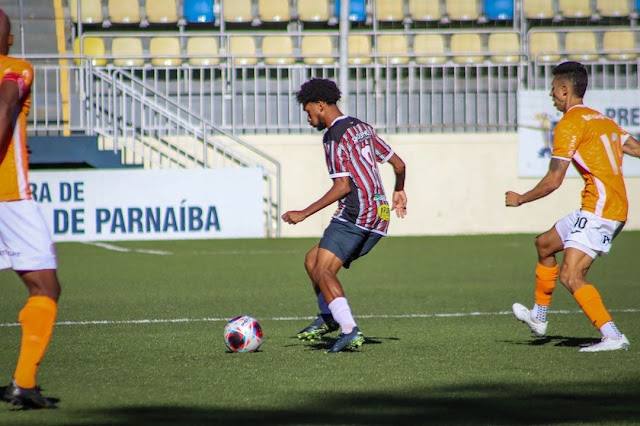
<point>17,78</point>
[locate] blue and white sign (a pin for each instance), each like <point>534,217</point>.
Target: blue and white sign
<point>537,118</point>
<point>113,205</point>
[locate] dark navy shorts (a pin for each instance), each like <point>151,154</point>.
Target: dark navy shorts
<point>347,241</point>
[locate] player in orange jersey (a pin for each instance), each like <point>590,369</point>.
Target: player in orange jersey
<point>25,242</point>
<point>595,144</point>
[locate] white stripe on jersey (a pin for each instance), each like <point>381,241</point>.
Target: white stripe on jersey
<point>602,193</point>
<point>18,151</point>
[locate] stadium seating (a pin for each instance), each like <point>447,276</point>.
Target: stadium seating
<point>278,50</point>
<point>619,45</point>
<point>237,11</point>
<point>429,49</point>
<point>583,44</point>
<point>200,46</point>
<point>313,10</point>
<point>161,11</point>
<point>359,48</point>
<point>198,11</point>
<point>425,10</point>
<point>613,8</point>
<point>274,10</point>
<point>575,8</point>
<point>393,49</point>
<point>543,47</point>
<point>389,10</point>
<point>91,11</point>
<point>125,50</point>
<point>92,47</point>
<point>462,10</point>
<point>317,49</point>
<point>538,9</point>
<point>243,45</point>
<point>498,10</point>
<point>357,10</point>
<point>504,47</point>
<point>467,48</point>
<point>160,47</point>
<point>124,11</point>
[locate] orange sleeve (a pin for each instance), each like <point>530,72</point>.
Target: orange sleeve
<point>565,139</point>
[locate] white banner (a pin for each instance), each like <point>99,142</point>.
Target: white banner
<point>537,118</point>
<point>111,205</point>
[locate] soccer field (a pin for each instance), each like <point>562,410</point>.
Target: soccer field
<point>139,337</point>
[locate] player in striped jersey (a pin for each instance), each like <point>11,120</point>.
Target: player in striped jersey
<point>352,151</point>
<point>25,242</point>
<point>595,144</point>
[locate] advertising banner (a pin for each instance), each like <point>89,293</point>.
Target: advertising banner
<point>537,118</point>
<point>112,205</point>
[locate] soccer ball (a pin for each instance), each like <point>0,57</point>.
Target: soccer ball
<point>243,334</point>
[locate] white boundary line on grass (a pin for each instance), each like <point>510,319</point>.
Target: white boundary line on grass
<point>127,250</point>
<point>214,319</point>
<point>113,247</point>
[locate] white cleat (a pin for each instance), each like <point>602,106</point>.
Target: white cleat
<point>608,344</point>
<point>523,314</point>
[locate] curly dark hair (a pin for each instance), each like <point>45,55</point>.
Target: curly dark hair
<point>575,73</point>
<point>318,89</point>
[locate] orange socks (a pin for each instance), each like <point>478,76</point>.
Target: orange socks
<point>545,283</point>
<point>37,318</point>
<point>591,303</point>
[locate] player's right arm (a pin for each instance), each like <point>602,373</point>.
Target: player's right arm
<point>399,197</point>
<point>549,183</point>
<point>9,99</point>
<point>631,147</point>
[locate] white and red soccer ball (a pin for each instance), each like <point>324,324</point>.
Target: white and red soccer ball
<point>243,334</point>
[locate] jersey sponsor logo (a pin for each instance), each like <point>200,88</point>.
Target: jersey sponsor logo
<point>383,212</point>
<point>363,135</point>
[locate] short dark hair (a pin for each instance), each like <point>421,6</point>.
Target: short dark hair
<point>318,89</point>
<point>575,73</point>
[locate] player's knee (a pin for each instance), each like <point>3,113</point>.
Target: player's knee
<point>570,278</point>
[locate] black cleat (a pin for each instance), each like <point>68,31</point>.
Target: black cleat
<point>27,398</point>
<point>322,325</point>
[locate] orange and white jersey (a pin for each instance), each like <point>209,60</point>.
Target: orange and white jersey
<point>14,169</point>
<point>594,143</point>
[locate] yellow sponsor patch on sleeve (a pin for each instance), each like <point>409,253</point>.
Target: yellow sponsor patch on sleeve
<point>383,212</point>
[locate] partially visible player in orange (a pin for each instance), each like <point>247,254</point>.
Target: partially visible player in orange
<point>595,145</point>
<point>25,242</point>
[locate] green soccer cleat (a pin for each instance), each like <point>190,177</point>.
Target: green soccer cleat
<point>27,398</point>
<point>322,325</point>
<point>351,341</point>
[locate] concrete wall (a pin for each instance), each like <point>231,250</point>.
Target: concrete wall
<point>455,185</point>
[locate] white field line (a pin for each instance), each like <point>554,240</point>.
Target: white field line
<point>127,250</point>
<point>113,247</point>
<point>214,319</point>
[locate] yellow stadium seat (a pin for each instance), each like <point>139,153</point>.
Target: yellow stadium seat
<point>91,11</point>
<point>199,46</point>
<point>538,9</point>
<point>620,45</point>
<point>613,8</point>
<point>161,11</point>
<point>317,49</point>
<point>429,48</point>
<point>277,50</point>
<point>393,49</point>
<point>274,10</point>
<point>124,51</point>
<point>124,11</point>
<point>543,47</point>
<point>313,10</point>
<point>160,47</point>
<point>504,47</point>
<point>92,47</point>
<point>467,48</point>
<point>462,10</point>
<point>583,43</point>
<point>237,11</point>
<point>359,49</point>
<point>243,49</point>
<point>425,10</point>
<point>389,10</point>
<point>575,8</point>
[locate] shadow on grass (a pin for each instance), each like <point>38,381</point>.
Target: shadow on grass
<point>471,404</point>
<point>572,342</point>
<point>25,408</point>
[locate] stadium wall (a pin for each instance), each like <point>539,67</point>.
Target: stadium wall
<point>455,185</point>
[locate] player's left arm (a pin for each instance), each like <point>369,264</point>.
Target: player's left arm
<point>549,183</point>
<point>341,187</point>
<point>631,147</point>
<point>399,196</point>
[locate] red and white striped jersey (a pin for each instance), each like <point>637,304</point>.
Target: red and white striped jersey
<point>353,149</point>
